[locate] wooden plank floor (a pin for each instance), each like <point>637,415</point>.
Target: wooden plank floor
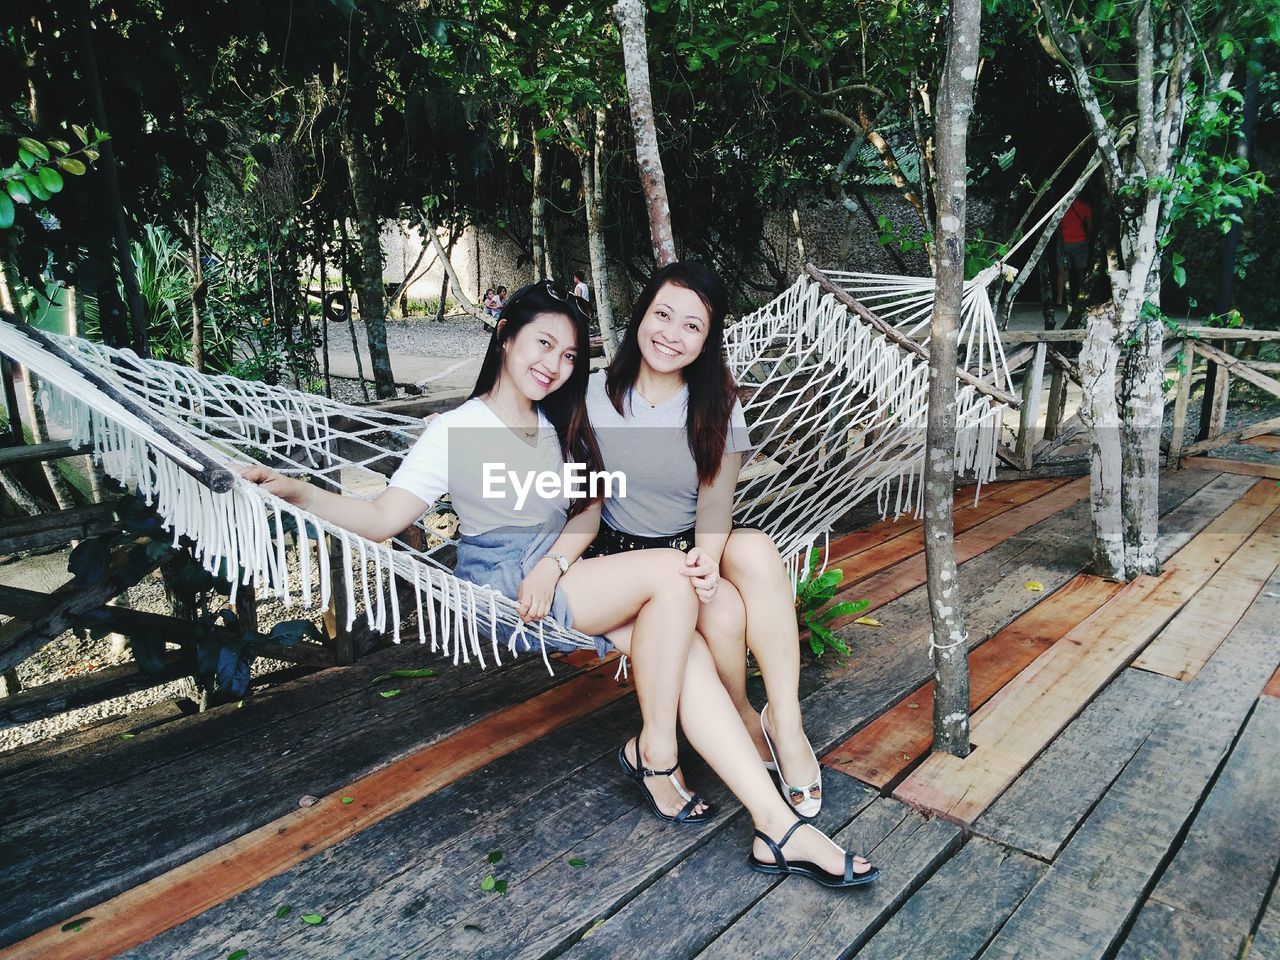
<point>1128,797</point>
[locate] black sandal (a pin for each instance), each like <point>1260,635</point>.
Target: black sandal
<point>640,771</point>
<point>806,869</point>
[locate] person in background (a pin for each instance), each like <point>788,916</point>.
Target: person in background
<point>1074,236</point>
<point>491,305</point>
<point>580,288</point>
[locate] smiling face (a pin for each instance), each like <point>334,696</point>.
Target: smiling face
<point>674,329</point>
<point>540,357</point>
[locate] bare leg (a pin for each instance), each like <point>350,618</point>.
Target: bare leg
<point>713,727</point>
<point>645,606</point>
<point>751,559</point>
<point>723,624</point>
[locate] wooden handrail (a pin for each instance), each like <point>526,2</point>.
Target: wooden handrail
<point>1010,337</point>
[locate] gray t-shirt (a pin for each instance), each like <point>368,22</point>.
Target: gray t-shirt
<point>651,448</point>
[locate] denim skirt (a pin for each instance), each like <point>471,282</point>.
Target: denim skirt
<point>501,559</point>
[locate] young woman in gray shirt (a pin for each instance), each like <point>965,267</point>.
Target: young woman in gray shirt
<point>666,415</point>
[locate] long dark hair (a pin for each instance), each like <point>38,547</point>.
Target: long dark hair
<point>712,391</point>
<point>566,406</point>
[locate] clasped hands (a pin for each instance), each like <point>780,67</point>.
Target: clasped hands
<point>703,573</point>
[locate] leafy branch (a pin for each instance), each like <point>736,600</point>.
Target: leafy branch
<point>37,174</point>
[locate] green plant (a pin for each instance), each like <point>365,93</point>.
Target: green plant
<point>814,592</point>
<point>37,175</point>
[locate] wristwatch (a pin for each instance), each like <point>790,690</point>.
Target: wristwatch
<point>561,561</point>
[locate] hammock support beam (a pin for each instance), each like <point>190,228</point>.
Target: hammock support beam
<point>890,333</point>
<point>214,476</point>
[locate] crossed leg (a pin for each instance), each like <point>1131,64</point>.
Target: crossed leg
<point>755,599</point>
<point>640,601</point>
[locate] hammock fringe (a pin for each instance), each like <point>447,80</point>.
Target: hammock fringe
<point>836,415</point>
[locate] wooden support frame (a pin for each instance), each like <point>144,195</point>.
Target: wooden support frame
<point>52,530</point>
<point>1028,421</point>
<point>51,699</point>
<point>38,453</point>
<point>62,609</point>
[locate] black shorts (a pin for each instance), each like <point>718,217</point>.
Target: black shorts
<point>610,541</point>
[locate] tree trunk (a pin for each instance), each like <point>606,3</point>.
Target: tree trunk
<point>324,319</point>
<point>1099,356</point>
<point>1142,390</point>
<point>454,283</point>
<point>595,235</point>
<point>111,188</point>
<point>197,294</point>
<point>345,256</point>
<point>589,166</point>
<point>635,56</point>
<point>372,301</point>
<point>948,637</point>
<point>538,213</point>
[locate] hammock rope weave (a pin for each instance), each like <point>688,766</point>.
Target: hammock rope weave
<point>835,413</point>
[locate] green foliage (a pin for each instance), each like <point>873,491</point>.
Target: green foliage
<point>37,175</point>
<point>814,591</point>
<point>1210,186</point>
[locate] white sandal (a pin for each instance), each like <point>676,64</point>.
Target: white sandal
<point>806,801</point>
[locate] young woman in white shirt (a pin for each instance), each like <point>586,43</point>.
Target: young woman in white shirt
<point>666,413</point>
<point>530,392</point>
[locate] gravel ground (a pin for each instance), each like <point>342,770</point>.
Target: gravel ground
<point>455,336</point>
<point>73,654</point>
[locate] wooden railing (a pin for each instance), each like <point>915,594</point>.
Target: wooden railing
<point>1192,351</point>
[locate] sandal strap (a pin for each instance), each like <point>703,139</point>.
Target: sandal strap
<point>775,846</point>
<point>787,836</point>
<point>646,772</point>
<point>684,794</point>
<point>778,858</point>
<point>848,867</point>
<point>687,810</point>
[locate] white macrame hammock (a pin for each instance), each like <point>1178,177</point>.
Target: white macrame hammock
<point>835,413</point>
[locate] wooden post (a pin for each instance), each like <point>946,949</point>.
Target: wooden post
<point>338,638</point>
<point>1186,368</point>
<point>1220,378</point>
<point>11,403</point>
<point>1029,416</point>
<point>1057,402</point>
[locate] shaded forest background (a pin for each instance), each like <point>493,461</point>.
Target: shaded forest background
<point>227,163</point>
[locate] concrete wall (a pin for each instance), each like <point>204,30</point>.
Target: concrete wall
<point>832,237</point>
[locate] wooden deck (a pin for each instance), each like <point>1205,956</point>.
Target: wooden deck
<point>1119,801</point>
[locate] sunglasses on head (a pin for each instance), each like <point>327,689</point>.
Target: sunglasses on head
<point>554,291</point>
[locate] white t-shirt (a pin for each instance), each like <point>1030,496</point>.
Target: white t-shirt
<point>583,291</point>
<point>650,446</point>
<point>451,457</point>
